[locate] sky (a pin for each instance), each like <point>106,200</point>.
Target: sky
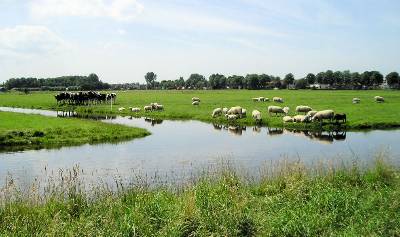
<point>121,40</point>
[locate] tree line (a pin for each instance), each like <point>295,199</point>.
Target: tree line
<point>90,82</point>
<point>327,79</point>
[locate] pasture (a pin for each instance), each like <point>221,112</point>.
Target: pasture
<point>177,104</point>
<point>18,131</point>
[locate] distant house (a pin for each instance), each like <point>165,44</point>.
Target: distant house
<point>320,86</point>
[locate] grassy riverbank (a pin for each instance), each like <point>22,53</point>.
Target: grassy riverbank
<point>367,114</point>
<point>292,201</point>
<point>24,131</point>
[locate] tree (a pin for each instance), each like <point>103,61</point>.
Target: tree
<point>252,81</point>
<point>310,78</point>
<point>217,81</point>
<point>150,78</point>
<point>289,79</point>
<point>180,82</point>
<point>376,78</point>
<point>263,80</point>
<point>328,77</point>
<point>347,78</point>
<point>356,79</point>
<point>320,77</point>
<point>236,82</point>
<point>301,83</point>
<point>196,81</point>
<point>393,79</point>
<point>366,78</point>
<point>338,78</point>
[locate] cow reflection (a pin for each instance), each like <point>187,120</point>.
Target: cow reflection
<point>339,135</point>
<point>275,131</point>
<point>153,121</point>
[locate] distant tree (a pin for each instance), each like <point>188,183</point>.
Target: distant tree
<point>196,81</point>
<point>356,79</point>
<point>263,80</point>
<point>301,83</point>
<point>376,78</point>
<point>276,82</point>
<point>217,81</point>
<point>328,77</point>
<point>320,77</point>
<point>347,78</point>
<point>366,78</point>
<point>252,81</point>
<point>338,78</point>
<point>236,82</point>
<point>393,79</point>
<point>180,82</point>
<point>311,78</point>
<point>150,78</point>
<point>289,79</point>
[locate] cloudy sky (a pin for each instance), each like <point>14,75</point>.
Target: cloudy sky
<point>121,40</point>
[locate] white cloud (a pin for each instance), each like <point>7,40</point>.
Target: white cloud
<point>120,10</point>
<point>25,40</point>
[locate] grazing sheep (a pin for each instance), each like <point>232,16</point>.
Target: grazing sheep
<point>266,99</point>
<point>235,110</point>
<point>287,119</point>
<point>256,115</point>
<point>356,100</point>
<point>154,105</point>
<point>303,109</point>
<point>121,109</point>
<point>324,114</point>
<point>301,118</point>
<point>275,109</point>
<point>195,103</point>
<point>195,99</point>
<point>261,99</point>
<point>232,117</point>
<point>255,99</point>
<point>159,107</point>
<point>147,108</point>
<point>286,110</point>
<point>135,110</point>
<point>312,113</point>
<point>224,110</point>
<point>340,118</point>
<point>216,112</point>
<point>244,113</point>
<point>379,99</point>
<point>277,99</point>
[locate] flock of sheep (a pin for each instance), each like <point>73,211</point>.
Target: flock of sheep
<point>146,108</point>
<point>304,113</point>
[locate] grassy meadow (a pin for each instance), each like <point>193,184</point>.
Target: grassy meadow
<point>291,201</point>
<point>367,114</point>
<point>19,131</point>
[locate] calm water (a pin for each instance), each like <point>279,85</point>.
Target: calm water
<point>176,148</point>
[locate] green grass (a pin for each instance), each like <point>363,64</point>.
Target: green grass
<point>23,131</point>
<point>294,201</point>
<point>367,114</point>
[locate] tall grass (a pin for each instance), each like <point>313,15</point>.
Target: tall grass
<point>288,199</point>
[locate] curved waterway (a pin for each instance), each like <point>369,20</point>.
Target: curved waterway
<point>177,148</point>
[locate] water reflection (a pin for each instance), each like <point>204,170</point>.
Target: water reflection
<point>153,121</point>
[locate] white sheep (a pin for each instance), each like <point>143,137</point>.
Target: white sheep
<point>121,109</point>
<point>195,103</point>
<point>216,112</point>
<point>135,110</point>
<point>235,110</point>
<point>147,108</point>
<point>195,99</point>
<point>255,99</point>
<point>303,109</point>
<point>287,119</point>
<point>379,99</point>
<point>154,105</point>
<point>324,114</point>
<point>275,109</point>
<point>232,116</point>
<point>277,99</point>
<point>256,115</point>
<point>312,113</point>
<point>356,100</point>
<point>301,118</point>
<point>159,107</point>
<point>224,110</point>
<point>244,113</point>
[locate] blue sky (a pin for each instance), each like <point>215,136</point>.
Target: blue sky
<point>121,40</point>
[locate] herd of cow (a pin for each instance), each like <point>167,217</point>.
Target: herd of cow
<point>84,98</point>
